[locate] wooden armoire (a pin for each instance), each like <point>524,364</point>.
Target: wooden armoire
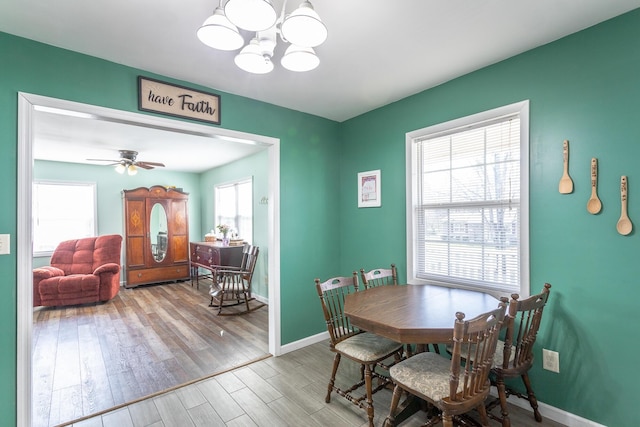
<point>156,235</point>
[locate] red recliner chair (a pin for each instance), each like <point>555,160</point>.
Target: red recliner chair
<point>81,271</point>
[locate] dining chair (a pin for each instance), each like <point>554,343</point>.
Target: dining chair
<point>379,277</point>
<point>514,356</point>
<point>453,386</point>
<point>366,349</point>
<point>232,285</point>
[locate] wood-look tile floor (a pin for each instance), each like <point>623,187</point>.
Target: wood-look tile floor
<point>93,357</point>
<point>278,391</point>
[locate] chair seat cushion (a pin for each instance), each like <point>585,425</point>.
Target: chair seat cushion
<point>498,357</point>
<point>426,373</point>
<point>367,347</point>
<point>75,285</point>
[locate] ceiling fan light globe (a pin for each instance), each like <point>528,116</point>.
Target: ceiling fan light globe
<point>251,15</point>
<point>299,59</point>
<point>219,33</point>
<point>303,27</point>
<point>132,170</point>
<point>120,168</point>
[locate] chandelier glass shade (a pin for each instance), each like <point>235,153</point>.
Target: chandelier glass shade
<point>218,32</point>
<point>252,59</point>
<point>302,29</point>
<point>297,58</point>
<point>251,15</point>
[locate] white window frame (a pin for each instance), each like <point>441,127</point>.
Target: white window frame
<point>218,216</point>
<point>68,205</point>
<point>520,108</point>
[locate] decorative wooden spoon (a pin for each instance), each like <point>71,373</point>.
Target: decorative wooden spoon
<point>566,184</point>
<point>624,225</point>
<point>594,204</point>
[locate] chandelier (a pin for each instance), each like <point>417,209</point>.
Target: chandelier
<point>302,29</point>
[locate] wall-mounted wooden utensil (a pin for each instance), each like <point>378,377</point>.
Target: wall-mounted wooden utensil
<point>624,225</point>
<point>566,184</point>
<point>594,204</point>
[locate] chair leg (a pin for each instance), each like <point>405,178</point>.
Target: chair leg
<point>390,421</point>
<point>368,380</point>
<point>484,419</point>
<point>409,351</point>
<point>531,397</point>
<point>332,381</point>
<point>447,420</point>
<point>502,395</point>
<point>245,293</point>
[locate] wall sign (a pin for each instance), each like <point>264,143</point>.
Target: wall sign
<point>180,101</point>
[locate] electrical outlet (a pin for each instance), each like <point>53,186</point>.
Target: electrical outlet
<point>551,360</point>
<point>4,244</point>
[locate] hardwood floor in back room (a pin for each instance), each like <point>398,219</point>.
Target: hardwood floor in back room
<point>89,358</point>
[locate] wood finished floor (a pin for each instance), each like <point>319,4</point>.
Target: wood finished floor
<point>278,391</point>
<point>148,339</point>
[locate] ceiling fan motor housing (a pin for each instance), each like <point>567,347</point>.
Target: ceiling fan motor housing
<point>128,156</point>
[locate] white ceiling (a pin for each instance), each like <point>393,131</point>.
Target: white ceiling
<point>377,51</point>
<point>76,138</point>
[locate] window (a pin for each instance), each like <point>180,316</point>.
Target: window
<point>234,207</point>
<point>468,214</point>
<point>62,211</point>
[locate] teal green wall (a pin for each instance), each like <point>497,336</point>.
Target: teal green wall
<point>308,148</point>
<point>256,166</point>
<point>584,88</point>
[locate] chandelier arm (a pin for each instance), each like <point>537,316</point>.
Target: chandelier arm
<point>280,21</point>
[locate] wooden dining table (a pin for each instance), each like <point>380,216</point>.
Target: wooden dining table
<point>414,314</point>
<point>417,314</point>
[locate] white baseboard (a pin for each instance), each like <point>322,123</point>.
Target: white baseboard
<point>297,345</point>
<point>549,412</point>
<point>261,299</point>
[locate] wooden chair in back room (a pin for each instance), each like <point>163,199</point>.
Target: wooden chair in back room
<point>232,286</point>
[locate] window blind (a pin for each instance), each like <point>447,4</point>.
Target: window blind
<point>467,209</point>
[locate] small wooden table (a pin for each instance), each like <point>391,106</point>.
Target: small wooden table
<point>417,314</point>
<point>212,255</point>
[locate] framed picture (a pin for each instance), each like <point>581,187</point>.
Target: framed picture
<point>369,195</point>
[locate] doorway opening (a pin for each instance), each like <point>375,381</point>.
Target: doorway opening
<point>28,105</point>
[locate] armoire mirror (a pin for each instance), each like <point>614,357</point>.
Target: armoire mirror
<point>158,232</point>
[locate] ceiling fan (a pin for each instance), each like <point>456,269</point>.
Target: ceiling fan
<point>128,162</point>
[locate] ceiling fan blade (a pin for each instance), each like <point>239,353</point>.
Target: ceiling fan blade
<point>149,165</point>
<point>143,165</point>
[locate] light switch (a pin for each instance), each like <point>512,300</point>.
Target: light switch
<point>4,244</point>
